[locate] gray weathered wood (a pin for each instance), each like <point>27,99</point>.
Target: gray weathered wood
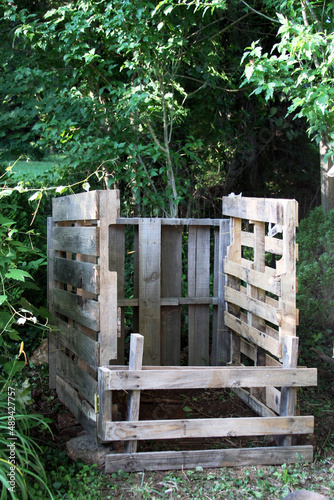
<point>52,338</point>
<point>81,410</point>
<point>84,311</point>
<point>149,287</point>
<point>78,274</point>
<point>172,222</point>
<point>104,404</point>
<point>254,335</point>
<point>198,285</point>
<point>117,264</point>
<point>171,276</point>
<point>82,206</point>
<point>135,363</point>
<point>221,336</point>
<point>212,378</point>
<point>168,460</point>
<point>252,305</point>
<point>83,240</point>
<point>109,211</point>
<point>256,209</point>
<point>77,342</point>
<point>77,377</point>
<point>208,427</point>
<point>253,277</point>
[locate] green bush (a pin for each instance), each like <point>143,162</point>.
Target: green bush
<point>315,272</point>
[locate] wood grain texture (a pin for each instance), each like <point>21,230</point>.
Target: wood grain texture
<point>81,410</point>
<point>135,363</point>
<point>255,209</point>
<point>208,427</point>
<point>169,460</point>
<point>82,206</point>
<point>78,274</point>
<point>77,342</point>
<point>171,281</point>
<point>150,287</point>
<point>77,377</point>
<point>52,337</point>
<point>211,378</point>
<point>198,285</point>
<point>83,240</point>
<point>84,311</point>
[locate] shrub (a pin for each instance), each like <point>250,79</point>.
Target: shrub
<point>315,272</point>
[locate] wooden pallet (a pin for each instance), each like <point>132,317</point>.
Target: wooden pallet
<point>136,378</point>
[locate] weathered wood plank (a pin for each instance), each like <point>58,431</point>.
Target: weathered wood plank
<point>198,285</point>
<point>104,404</point>
<point>135,363</point>
<point>77,342</point>
<point>78,274</point>
<point>255,209</point>
<point>117,264</point>
<point>149,287</point>
<point>169,460</point>
<point>252,305</point>
<point>254,335</point>
<point>173,301</point>
<point>79,408</point>
<point>79,378</point>
<point>109,211</point>
<point>172,222</point>
<point>288,394</point>
<point>84,311</point>
<point>82,206</point>
<point>211,378</point>
<point>272,245</point>
<point>254,278</point>
<point>208,427</point>
<point>171,281</point>
<point>255,404</point>
<point>221,337</point>
<point>52,338</point>
<point>84,240</point>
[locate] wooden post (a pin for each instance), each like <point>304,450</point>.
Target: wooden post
<point>135,363</point>
<point>288,394</point>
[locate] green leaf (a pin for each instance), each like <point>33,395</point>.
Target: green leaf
<point>3,299</point>
<point>17,274</point>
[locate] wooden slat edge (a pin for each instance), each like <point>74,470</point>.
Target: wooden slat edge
<point>80,379</point>
<point>208,428</point>
<point>84,311</point>
<point>81,410</point>
<point>253,335</point>
<point>168,460</point>
<point>81,206</point>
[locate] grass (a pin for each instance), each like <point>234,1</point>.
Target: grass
<point>27,168</point>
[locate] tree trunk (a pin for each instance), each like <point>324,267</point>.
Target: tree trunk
<point>327,183</point>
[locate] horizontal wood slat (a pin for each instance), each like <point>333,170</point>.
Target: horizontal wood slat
<point>77,342</point>
<point>254,335</point>
<point>208,427</point>
<point>82,206</point>
<point>172,222</point>
<point>79,407</point>
<point>82,240</point>
<point>255,278</point>
<point>77,377</point>
<point>254,209</point>
<point>84,311</point>
<point>168,460</point>
<point>272,245</point>
<point>78,274</point>
<point>211,378</point>
<point>252,305</point>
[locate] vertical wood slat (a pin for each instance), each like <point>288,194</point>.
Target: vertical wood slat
<point>52,339</point>
<point>259,265</point>
<point>117,264</point>
<point>198,286</point>
<point>108,211</point>
<point>135,363</point>
<point>234,254</point>
<point>149,287</point>
<point>221,336</point>
<point>171,276</point>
